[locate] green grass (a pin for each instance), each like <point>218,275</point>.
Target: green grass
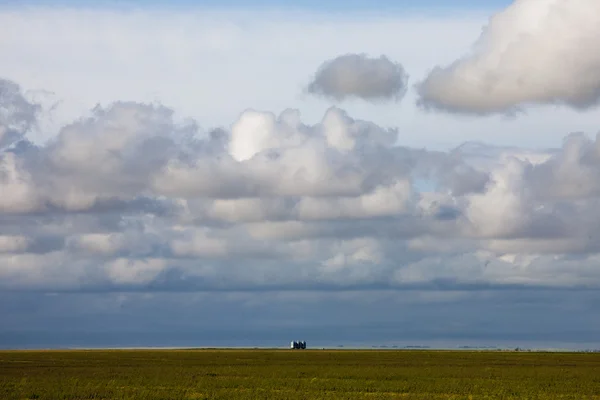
<point>288,374</point>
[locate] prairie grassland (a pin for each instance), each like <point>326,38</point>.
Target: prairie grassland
<point>304,374</point>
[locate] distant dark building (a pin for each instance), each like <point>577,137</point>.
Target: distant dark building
<point>297,345</point>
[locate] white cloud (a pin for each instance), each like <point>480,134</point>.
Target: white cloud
<point>503,208</point>
<point>99,243</point>
<point>283,157</point>
<point>18,191</point>
<point>533,52</point>
<point>142,271</point>
<point>382,201</point>
<point>200,244</point>
<point>12,243</point>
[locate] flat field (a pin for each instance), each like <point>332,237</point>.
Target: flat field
<point>299,374</point>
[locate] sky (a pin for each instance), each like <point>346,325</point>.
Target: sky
<point>310,5</point>
<point>195,174</point>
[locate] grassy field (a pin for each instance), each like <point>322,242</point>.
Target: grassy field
<point>304,374</point>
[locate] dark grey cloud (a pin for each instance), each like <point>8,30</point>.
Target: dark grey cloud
<point>359,76</point>
<point>504,319</point>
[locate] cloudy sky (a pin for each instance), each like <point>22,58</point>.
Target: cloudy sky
<point>251,172</point>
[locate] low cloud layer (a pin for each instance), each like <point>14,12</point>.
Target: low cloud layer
<point>533,52</point>
<point>130,198</point>
<point>358,76</point>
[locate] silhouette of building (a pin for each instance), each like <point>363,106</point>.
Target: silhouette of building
<point>298,345</point>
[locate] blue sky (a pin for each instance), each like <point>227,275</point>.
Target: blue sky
<point>338,6</point>
<point>358,173</point>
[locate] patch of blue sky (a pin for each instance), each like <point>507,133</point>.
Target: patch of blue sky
<point>425,185</point>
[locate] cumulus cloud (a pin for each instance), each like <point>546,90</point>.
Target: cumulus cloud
<point>359,76</point>
<point>130,198</point>
<point>533,52</point>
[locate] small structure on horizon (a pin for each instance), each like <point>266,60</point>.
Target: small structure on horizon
<point>297,345</point>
